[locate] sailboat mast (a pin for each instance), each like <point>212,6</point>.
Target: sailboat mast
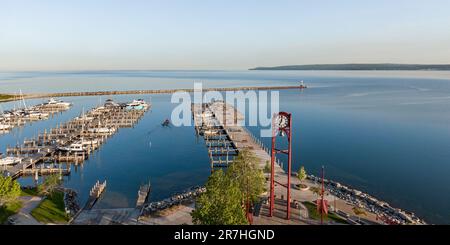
<point>23,99</point>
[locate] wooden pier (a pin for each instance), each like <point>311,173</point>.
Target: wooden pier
<point>72,142</point>
<point>228,123</point>
<point>95,193</point>
<point>220,125</point>
<point>143,195</point>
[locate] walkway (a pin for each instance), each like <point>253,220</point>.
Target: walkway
<point>24,216</point>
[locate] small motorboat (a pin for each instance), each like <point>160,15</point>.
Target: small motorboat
<point>10,161</point>
<point>75,147</point>
<point>166,123</point>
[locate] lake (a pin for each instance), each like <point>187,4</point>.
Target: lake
<point>385,133</point>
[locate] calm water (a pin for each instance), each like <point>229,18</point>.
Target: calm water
<point>386,133</point>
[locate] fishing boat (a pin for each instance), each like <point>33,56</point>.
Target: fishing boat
<point>10,161</point>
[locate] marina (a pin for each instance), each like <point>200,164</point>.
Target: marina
<point>71,142</point>
<point>23,114</point>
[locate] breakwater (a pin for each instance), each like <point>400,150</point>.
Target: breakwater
<point>176,199</point>
<point>151,91</point>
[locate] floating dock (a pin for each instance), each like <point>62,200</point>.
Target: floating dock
<point>220,125</point>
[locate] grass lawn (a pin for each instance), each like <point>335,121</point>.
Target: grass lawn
<point>5,96</point>
<point>29,192</point>
<point>313,214</point>
<point>51,210</point>
<point>8,210</point>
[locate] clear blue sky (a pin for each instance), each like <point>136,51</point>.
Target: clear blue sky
<point>195,34</point>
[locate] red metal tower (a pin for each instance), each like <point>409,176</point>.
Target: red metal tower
<point>282,125</point>
<point>322,204</point>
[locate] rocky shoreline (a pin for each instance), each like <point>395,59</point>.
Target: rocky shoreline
<point>177,199</point>
<point>383,210</point>
<point>71,202</point>
<point>369,203</point>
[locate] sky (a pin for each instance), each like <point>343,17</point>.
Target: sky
<point>219,35</point>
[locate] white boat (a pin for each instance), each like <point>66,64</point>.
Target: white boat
<point>5,127</point>
<point>54,102</point>
<point>88,142</point>
<point>36,115</point>
<point>10,161</point>
<point>102,130</point>
<point>139,104</point>
<point>84,118</point>
<point>75,147</point>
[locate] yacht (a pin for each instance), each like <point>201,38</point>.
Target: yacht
<point>10,161</point>
<point>138,104</point>
<point>36,115</point>
<point>54,102</point>
<point>111,103</point>
<point>75,147</point>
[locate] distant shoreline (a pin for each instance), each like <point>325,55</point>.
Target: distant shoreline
<point>357,67</point>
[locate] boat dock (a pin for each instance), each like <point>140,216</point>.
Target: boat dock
<point>95,193</point>
<point>143,195</point>
<point>24,114</point>
<point>220,125</point>
<point>73,142</point>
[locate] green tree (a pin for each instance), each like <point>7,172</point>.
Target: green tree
<point>301,174</point>
<point>9,190</point>
<point>221,203</point>
<point>267,168</point>
<point>50,184</point>
<point>316,190</point>
<point>246,173</point>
